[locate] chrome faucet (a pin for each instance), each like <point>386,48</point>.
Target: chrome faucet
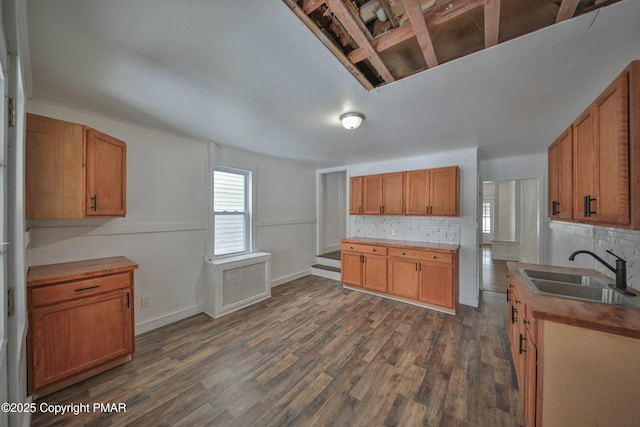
<point>620,269</point>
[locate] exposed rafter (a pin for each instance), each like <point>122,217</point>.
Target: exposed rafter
<point>567,10</point>
<point>419,25</point>
<point>380,41</point>
<point>347,19</point>
<point>405,32</point>
<point>491,22</point>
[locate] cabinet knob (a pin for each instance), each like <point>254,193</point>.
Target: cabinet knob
<point>435,257</point>
<point>404,253</point>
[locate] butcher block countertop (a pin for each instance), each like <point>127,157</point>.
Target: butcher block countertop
<point>592,315</point>
<point>53,273</point>
<point>446,247</point>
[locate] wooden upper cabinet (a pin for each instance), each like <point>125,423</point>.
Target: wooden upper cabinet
<point>355,195</point>
<point>605,156</point>
<point>445,191</point>
<point>106,175</point>
<point>560,158</point>
<point>612,153</point>
<point>433,192</point>
<point>585,200</point>
<point>393,193</point>
<point>417,189</point>
<point>383,194</point>
<point>72,171</point>
<point>372,194</point>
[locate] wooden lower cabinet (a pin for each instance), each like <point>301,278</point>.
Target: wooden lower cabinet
<point>364,266</point>
<point>427,277</point>
<point>80,324</point>
<point>571,375</point>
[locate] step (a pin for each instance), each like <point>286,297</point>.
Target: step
<point>326,271</point>
<point>330,262</point>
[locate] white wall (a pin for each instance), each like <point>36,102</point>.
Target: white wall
<point>285,211</point>
<point>466,234</point>
<point>165,227</point>
<point>529,221</point>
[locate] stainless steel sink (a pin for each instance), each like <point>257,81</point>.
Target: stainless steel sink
<point>574,286</point>
<point>557,277</point>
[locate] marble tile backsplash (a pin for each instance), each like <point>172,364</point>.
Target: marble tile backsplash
<point>417,228</point>
<point>624,243</point>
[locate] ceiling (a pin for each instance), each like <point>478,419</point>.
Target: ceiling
<point>257,79</point>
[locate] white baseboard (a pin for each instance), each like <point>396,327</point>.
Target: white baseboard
<point>285,279</point>
<point>159,322</point>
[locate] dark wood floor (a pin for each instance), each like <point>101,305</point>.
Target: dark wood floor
<point>313,354</point>
<point>494,272</point>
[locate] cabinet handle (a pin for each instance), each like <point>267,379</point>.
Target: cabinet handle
<point>521,348</point>
<point>361,258</point>
<point>426,208</point>
<point>507,294</point>
<point>554,209</point>
<point>417,267</point>
<point>94,203</point>
<point>513,315</point>
<point>128,301</point>
<point>86,289</point>
<point>431,210</point>
<point>587,206</point>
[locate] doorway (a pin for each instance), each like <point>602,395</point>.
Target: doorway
<point>332,219</point>
<point>511,229</point>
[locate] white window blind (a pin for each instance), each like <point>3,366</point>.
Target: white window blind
<point>231,210</point>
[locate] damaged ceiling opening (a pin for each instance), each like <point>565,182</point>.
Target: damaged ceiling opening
<point>381,41</point>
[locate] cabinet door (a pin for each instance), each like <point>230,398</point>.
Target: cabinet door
<point>416,187</point>
<point>444,191</point>
<point>54,172</point>
<point>372,194</point>
<point>393,193</point>
<point>612,142</point>
<point>553,158</point>
<point>564,208</point>
<point>106,175</point>
<point>531,381</point>
<point>355,195</point>
<point>73,337</point>
<point>351,267</point>
<point>436,284</point>
<point>404,277</point>
<point>375,273</point>
<point>584,167</point>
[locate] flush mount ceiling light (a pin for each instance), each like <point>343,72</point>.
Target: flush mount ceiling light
<point>352,120</point>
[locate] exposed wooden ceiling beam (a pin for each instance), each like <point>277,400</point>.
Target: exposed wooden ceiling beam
<point>435,16</point>
<point>567,10</point>
<point>419,25</point>
<point>349,22</point>
<point>310,5</point>
<point>299,12</point>
<point>491,22</point>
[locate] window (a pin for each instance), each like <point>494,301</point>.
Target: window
<point>486,217</point>
<point>231,211</point>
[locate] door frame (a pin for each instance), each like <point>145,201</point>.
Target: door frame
<point>320,204</point>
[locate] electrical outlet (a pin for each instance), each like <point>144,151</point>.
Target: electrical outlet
<point>146,301</point>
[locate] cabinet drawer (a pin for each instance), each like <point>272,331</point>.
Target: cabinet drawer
<point>78,289</point>
<point>422,255</point>
<point>365,249</point>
